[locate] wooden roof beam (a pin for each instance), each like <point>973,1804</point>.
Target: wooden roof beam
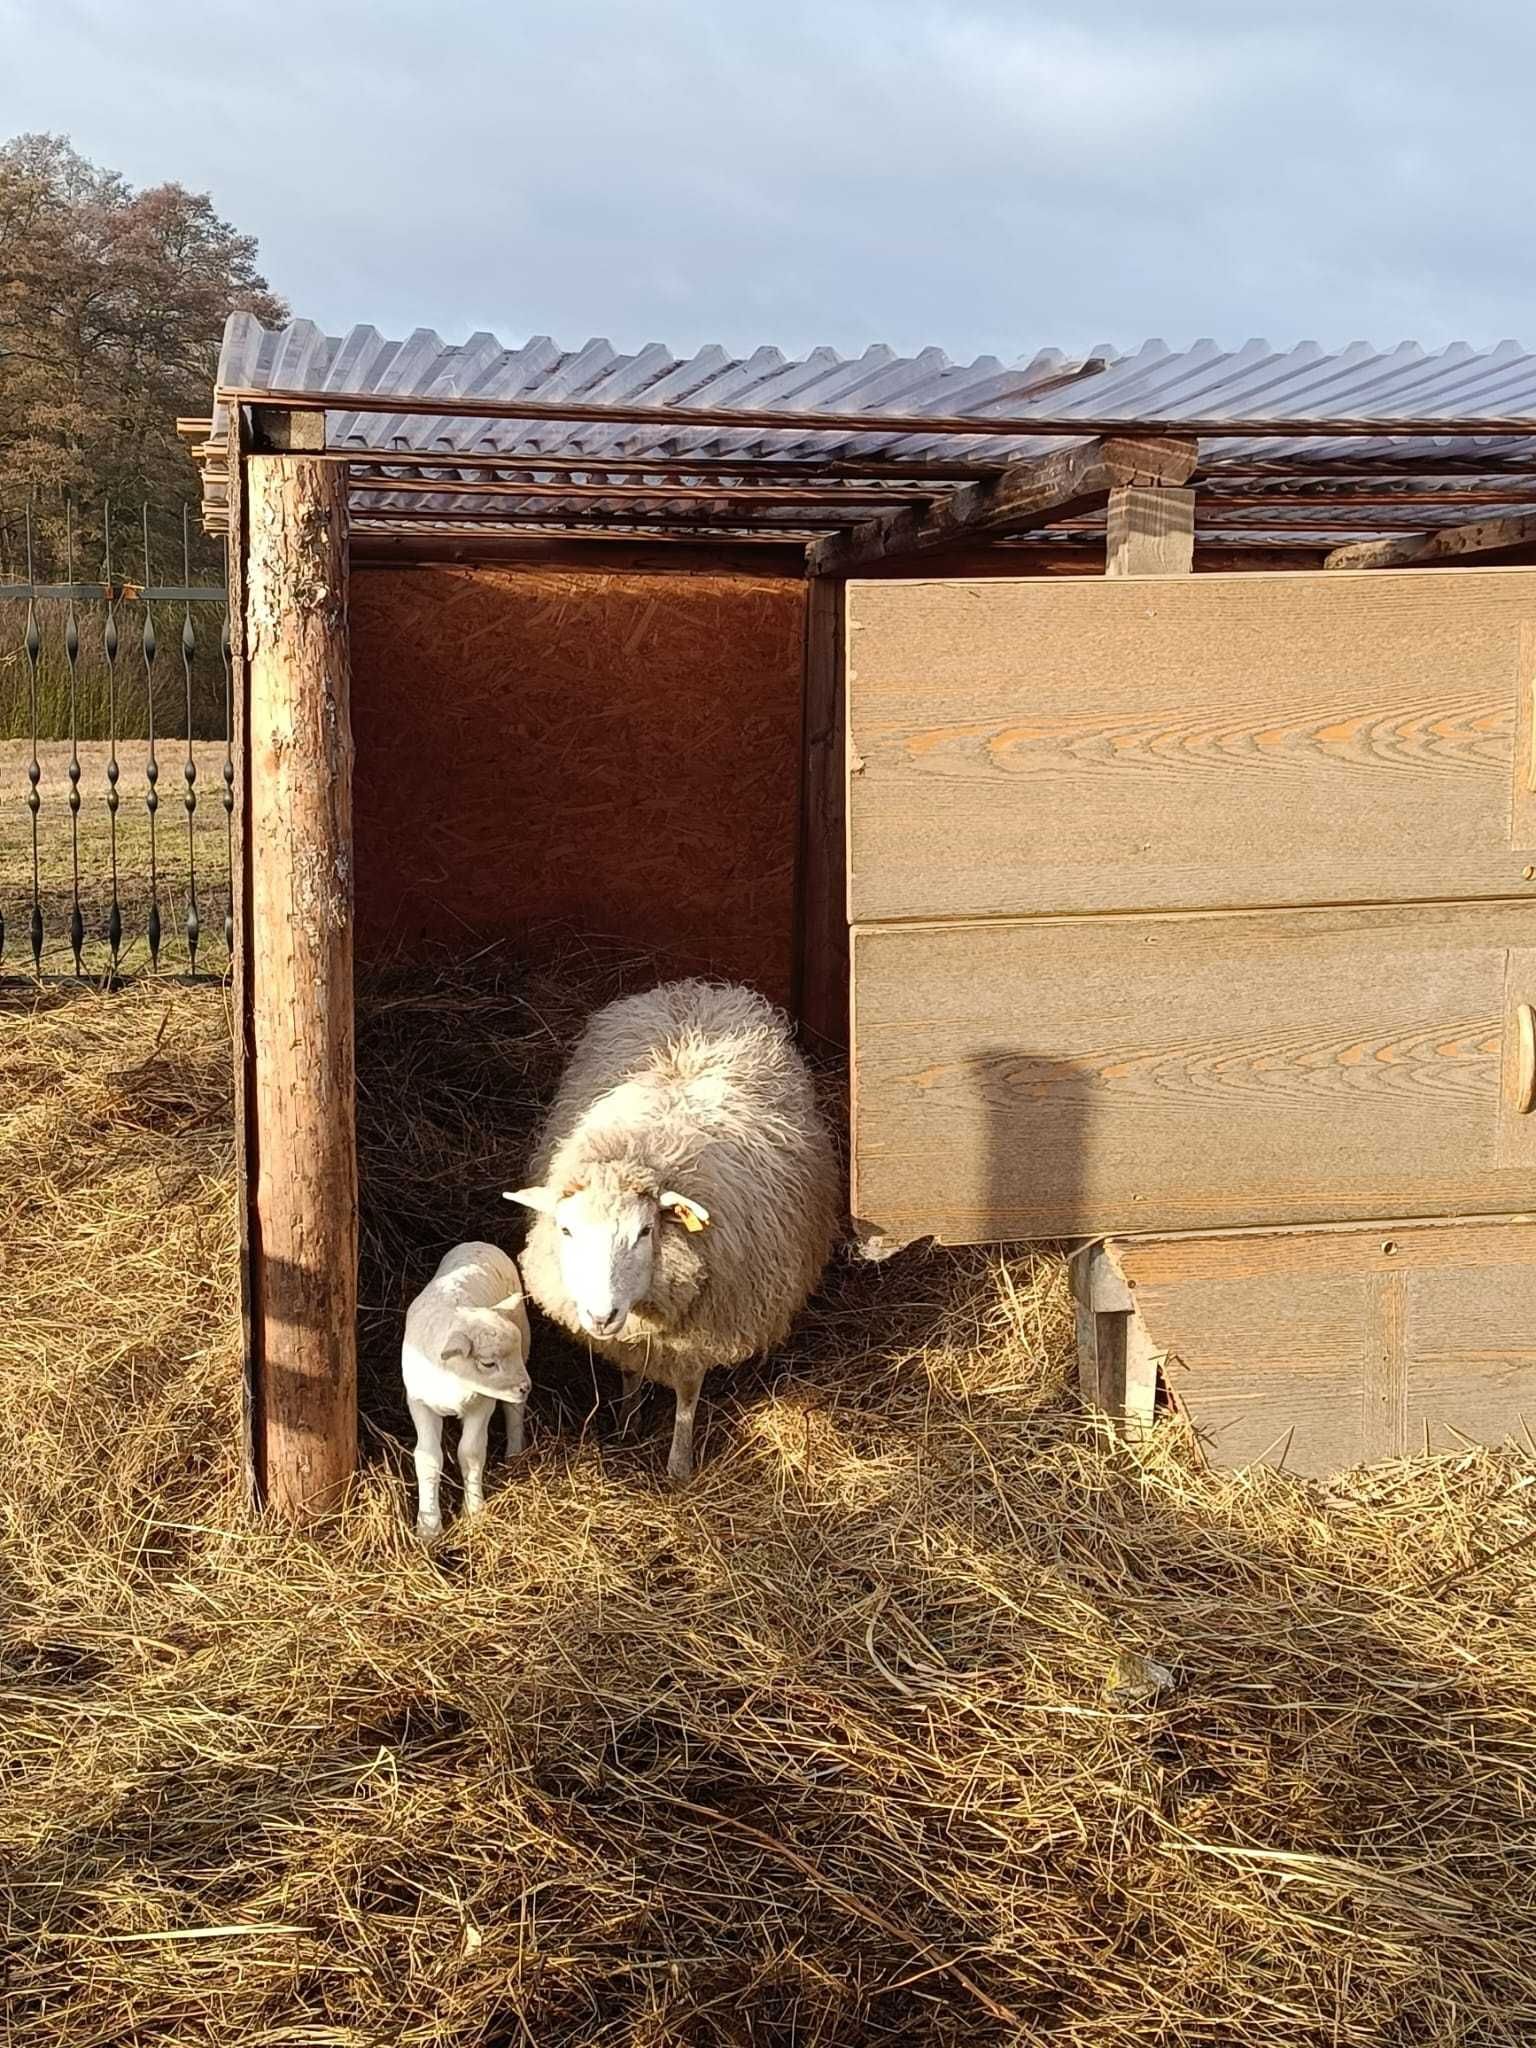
<point>1056,427</point>
<point>1480,537</point>
<point>1054,486</point>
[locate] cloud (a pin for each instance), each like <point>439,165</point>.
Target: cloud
<point>989,175</point>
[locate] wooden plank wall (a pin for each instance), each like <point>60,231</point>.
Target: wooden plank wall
<point>1149,884</point>
<point>1041,1078</point>
<point>1191,742</point>
<point>1321,1349</point>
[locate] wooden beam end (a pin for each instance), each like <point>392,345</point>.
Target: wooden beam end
<point>275,430</point>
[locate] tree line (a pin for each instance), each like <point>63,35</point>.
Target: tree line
<point>112,306</point>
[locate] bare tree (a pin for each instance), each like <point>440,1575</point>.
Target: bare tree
<point>112,303</point>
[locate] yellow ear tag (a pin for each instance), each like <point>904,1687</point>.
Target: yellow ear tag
<point>689,1214</point>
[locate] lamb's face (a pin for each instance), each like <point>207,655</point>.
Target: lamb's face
<point>486,1347</point>
<point>607,1244</point>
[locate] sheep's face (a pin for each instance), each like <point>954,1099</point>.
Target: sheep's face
<point>606,1233</point>
<point>607,1253</point>
<point>486,1348</point>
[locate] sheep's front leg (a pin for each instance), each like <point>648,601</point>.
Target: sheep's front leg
<point>680,1458</point>
<point>632,1394</point>
<point>516,1410</point>
<point>473,1438</point>
<point>429,1468</point>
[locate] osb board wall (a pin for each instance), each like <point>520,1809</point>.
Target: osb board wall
<point>611,753</point>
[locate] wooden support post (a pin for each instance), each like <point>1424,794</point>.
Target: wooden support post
<point>1027,493</point>
<point>1117,1367</point>
<point>821,920</point>
<point>301,1116</point>
<point>1150,531</point>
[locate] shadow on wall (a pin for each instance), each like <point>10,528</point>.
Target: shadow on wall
<point>988,1149</point>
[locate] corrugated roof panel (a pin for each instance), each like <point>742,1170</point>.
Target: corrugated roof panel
<point>1256,380</point>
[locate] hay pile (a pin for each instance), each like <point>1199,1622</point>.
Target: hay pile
<point>827,1750</point>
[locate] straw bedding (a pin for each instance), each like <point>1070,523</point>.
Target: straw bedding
<point>927,1714</point>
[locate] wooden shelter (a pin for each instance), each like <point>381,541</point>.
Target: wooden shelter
<point>1171,891</point>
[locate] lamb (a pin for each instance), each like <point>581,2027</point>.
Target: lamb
<point>687,1193</point>
<point>465,1348</point>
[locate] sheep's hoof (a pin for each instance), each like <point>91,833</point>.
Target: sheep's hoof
<point>679,1474</point>
<point>429,1527</point>
<point>474,1506</point>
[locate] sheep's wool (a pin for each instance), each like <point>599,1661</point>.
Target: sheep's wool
<point>698,1087</point>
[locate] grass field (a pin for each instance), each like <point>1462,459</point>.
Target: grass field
<point>56,855</point>
<point>99,694</point>
<point>928,1714</point>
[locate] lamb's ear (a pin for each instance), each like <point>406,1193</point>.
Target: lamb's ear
<point>542,1199</point>
<point>509,1307</point>
<point>692,1215</point>
<point>457,1344</point>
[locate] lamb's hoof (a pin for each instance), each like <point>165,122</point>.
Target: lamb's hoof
<point>429,1527</point>
<point>474,1507</point>
<point>678,1475</point>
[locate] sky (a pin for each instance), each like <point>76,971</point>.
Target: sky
<point>987,176</point>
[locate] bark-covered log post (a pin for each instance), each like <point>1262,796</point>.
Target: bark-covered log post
<point>301,1114</point>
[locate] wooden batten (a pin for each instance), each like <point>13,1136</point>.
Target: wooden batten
<point>1447,544</point>
<point>240,945</point>
<point>295,971</point>
<point>1117,1367</point>
<point>821,921</point>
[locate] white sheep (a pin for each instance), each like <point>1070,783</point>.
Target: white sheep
<point>687,1193</point>
<point>465,1348</point>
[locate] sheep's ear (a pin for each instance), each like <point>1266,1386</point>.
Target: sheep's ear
<point>457,1344</point>
<point>692,1215</point>
<point>509,1307</point>
<point>542,1199</point>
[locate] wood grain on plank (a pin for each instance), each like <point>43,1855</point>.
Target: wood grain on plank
<point>1522,766</point>
<point>1040,747</point>
<point>1042,1078</point>
<point>1413,1245</point>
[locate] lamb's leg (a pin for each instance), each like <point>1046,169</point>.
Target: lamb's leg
<point>515,1411</point>
<point>473,1438</point>
<point>429,1468</point>
<point>680,1458</point>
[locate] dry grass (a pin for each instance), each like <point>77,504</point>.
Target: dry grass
<point>826,1750</point>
